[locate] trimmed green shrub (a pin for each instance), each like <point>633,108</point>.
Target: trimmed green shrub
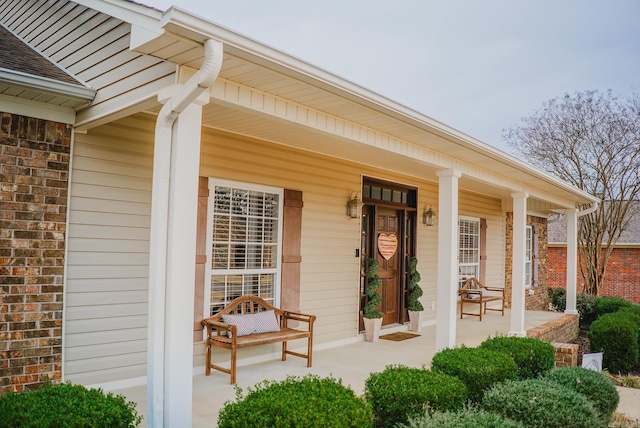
<point>478,368</point>
<point>587,307</point>
<point>541,403</point>
<point>607,305</point>
<point>598,388</point>
<point>371,290</point>
<point>558,297</point>
<point>413,286</point>
<point>400,392</point>
<point>308,401</point>
<point>67,405</point>
<point>616,336</point>
<point>532,355</point>
<point>467,418</point>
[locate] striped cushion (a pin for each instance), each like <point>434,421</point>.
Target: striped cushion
<point>261,322</point>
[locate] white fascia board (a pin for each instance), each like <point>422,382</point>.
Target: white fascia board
<point>44,84</point>
<point>127,11</point>
<point>28,108</point>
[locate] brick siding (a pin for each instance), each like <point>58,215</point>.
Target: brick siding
<point>622,278</point>
<point>539,300</point>
<point>34,170</point>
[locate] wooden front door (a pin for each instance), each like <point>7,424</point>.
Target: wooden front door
<point>387,249</point>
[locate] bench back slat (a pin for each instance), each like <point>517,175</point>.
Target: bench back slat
<point>246,305</point>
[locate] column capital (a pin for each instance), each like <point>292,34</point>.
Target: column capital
<point>518,195</point>
<point>449,173</point>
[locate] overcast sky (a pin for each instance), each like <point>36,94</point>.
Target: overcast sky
<point>476,65</point>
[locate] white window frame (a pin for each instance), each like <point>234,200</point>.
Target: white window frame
<point>528,263</point>
<point>477,263</point>
<point>209,271</point>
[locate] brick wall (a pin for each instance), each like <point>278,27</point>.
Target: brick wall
<point>34,169</point>
<point>622,278</point>
<point>566,354</point>
<point>563,329</point>
<point>539,300</point>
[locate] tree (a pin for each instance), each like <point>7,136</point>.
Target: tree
<point>591,140</point>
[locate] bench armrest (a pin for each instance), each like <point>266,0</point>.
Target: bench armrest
<point>219,327</point>
<point>296,316</point>
<point>499,289</point>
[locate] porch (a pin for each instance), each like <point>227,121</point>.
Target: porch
<point>352,363</point>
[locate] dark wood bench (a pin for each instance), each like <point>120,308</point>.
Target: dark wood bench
<point>472,291</point>
<point>225,335</point>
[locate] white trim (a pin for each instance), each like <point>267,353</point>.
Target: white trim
<point>475,220</point>
<point>45,84</point>
<point>25,107</point>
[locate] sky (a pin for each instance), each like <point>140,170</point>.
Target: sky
<point>478,66</point>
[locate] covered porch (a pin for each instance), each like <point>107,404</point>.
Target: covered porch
<point>352,362</point>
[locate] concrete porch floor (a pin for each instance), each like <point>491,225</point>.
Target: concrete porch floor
<point>352,363</point>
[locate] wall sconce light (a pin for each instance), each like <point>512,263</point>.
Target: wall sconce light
<point>353,205</point>
<point>427,217</point>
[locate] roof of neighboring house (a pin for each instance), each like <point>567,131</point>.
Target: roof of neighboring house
<point>557,229</point>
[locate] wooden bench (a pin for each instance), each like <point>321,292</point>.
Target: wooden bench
<point>474,292</point>
<point>225,335</point>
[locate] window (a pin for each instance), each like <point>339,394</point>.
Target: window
<point>468,249</point>
<point>244,235</point>
<point>528,263</point>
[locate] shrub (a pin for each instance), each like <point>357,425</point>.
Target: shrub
<point>558,297</point>
<point>587,307</point>
<point>616,336</point>
<point>532,356</point>
<point>66,405</point>
<point>371,290</point>
<point>541,403</point>
<point>306,401</point>
<point>607,305</point>
<point>467,418</point>
<point>599,389</point>
<point>478,368</point>
<point>400,392</point>
<point>413,286</point>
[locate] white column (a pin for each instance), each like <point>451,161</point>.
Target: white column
<point>572,260</point>
<point>518,264</point>
<point>181,253</point>
<point>447,258</point>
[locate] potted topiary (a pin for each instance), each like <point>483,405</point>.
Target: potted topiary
<point>372,315</point>
<point>415,307</point>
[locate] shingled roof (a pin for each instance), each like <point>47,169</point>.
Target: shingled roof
<point>557,229</point>
<point>17,56</point>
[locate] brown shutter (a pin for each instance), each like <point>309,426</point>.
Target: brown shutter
<point>201,257</point>
<point>291,250</point>
<point>483,250</point>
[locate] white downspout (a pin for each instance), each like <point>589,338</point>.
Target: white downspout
<point>194,87</point>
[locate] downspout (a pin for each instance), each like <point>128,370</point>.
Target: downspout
<point>192,89</point>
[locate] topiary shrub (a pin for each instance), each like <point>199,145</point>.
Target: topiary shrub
<point>532,355</point>
<point>467,418</point>
<point>607,305</point>
<point>587,307</point>
<point>616,336</point>
<point>400,392</point>
<point>67,405</point>
<point>371,290</point>
<point>478,368</point>
<point>307,401</point>
<point>413,287</point>
<point>598,388</point>
<point>541,403</point>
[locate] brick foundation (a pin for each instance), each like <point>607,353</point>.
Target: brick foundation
<point>566,354</point>
<point>563,329</point>
<point>34,170</point>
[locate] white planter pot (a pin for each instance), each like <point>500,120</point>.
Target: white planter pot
<point>415,320</point>
<point>372,328</point>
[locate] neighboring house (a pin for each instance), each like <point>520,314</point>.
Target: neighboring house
<point>171,164</point>
<point>623,269</point>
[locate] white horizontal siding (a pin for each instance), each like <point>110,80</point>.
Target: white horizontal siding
<point>108,253</point>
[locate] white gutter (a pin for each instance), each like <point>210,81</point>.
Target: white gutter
<point>589,210</point>
<point>195,86</point>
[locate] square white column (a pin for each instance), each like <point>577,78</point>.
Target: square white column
<point>518,261</point>
<point>572,261</point>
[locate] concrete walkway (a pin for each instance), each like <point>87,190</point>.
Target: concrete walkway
<point>352,363</point>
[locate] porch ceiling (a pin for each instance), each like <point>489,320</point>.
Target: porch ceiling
<point>266,94</point>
